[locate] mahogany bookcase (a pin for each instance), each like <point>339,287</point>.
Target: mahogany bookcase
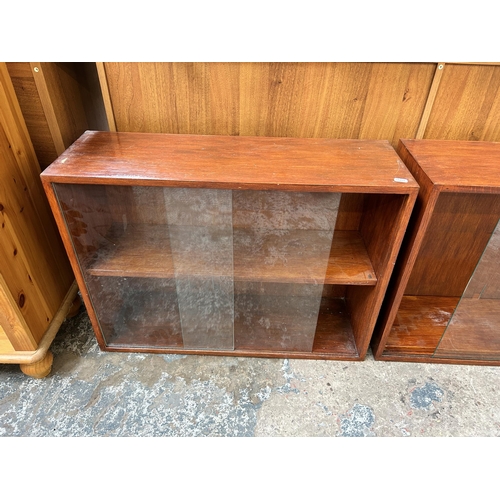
<point>245,246</point>
<point>443,301</point>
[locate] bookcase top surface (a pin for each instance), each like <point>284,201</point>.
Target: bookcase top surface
<point>458,165</point>
<point>232,162</point>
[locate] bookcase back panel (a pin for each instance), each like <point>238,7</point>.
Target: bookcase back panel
<point>460,228</point>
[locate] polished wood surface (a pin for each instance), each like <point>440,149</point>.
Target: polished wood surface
<point>419,325</point>
<point>332,100</point>
<point>457,210</point>
<point>39,369</point>
<point>467,104</point>
<point>111,180</point>
<point>472,332</point>
<point>445,263</point>
<point>383,226</point>
<point>32,260</point>
<point>458,166</point>
<point>232,163</point>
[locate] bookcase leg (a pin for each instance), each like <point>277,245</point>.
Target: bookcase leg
<point>41,368</point>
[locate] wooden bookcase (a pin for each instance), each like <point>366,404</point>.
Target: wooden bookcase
<point>245,246</point>
<point>443,302</point>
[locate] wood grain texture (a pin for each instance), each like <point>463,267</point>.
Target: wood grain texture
<point>460,228</point>
<point>39,369</point>
<point>473,331</point>
<point>33,113</point>
<point>111,163</point>
<point>33,356</point>
<point>430,100</point>
<point>108,107</point>
<point>456,214</point>
<point>419,324</point>
<point>32,259</point>
<point>232,163</point>
<point>46,84</point>
<point>332,100</point>
<point>383,226</point>
<point>410,247</point>
<point>63,96</point>
<point>145,252</point>
<point>458,166</point>
<point>5,344</point>
<point>467,104</point>
<point>13,324</point>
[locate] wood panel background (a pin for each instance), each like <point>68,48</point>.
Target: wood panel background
<point>331,100</point>
<point>467,105</point>
<point>59,102</point>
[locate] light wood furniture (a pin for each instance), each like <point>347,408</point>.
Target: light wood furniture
<point>37,286</point>
<point>246,246</point>
<point>59,101</point>
<point>443,303</point>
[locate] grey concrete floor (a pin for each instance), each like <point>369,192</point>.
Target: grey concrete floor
<point>94,393</point>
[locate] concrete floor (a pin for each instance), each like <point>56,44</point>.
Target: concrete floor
<point>93,393</point>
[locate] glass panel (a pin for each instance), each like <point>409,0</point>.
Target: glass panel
<point>193,268</point>
<point>137,312</point>
<point>151,284</point>
<point>282,242</point>
<point>474,329</point>
<point>201,239</point>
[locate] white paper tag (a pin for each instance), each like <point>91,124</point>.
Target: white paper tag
<point>399,179</point>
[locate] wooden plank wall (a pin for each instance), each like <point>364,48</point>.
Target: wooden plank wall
<point>336,100</point>
<point>332,100</point>
<point>59,102</point>
<point>467,105</point>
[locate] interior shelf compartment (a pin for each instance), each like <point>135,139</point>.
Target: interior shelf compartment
<point>443,301</point>
<point>144,251</point>
<point>143,313</point>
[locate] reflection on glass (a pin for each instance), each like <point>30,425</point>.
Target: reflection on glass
<point>201,241</point>
<point>282,242</point>
<point>474,328</point>
<point>202,268</point>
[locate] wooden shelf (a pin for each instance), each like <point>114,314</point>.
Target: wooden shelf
<point>420,324</point>
<point>472,333</point>
<point>144,251</point>
<point>333,338</point>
